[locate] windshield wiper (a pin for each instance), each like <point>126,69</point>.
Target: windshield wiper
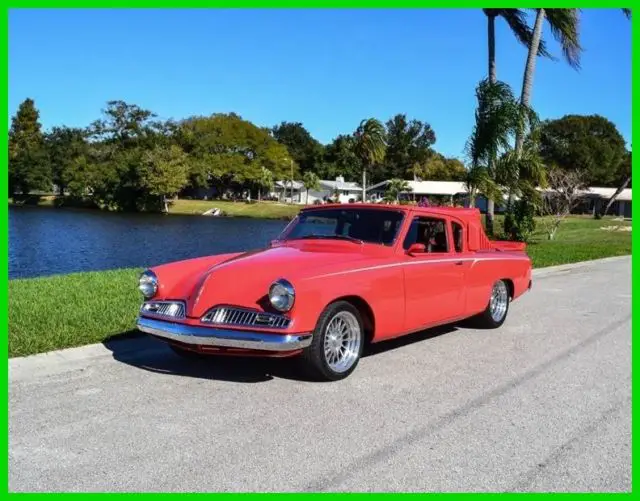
<point>331,237</point>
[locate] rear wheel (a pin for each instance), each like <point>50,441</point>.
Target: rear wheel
<point>337,344</point>
<point>496,312</point>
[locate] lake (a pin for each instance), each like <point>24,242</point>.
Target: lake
<point>49,241</point>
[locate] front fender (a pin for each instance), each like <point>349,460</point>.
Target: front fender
<point>381,289</point>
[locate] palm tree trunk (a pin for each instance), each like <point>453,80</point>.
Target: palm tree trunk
<point>493,78</point>
<point>491,26</point>
<point>364,184</point>
<point>530,68</point>
<point>613,197</point>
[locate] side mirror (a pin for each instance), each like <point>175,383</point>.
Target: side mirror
<point>273,243</point>
<point>416,249</point>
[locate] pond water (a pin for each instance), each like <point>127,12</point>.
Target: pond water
<point>45,241</point>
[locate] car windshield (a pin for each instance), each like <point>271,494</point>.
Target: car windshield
<point>377,226</point>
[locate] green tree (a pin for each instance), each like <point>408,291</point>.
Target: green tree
<point>28,166</point>
<point>306,151</point>
<point>370,145</point>
<point>440,168</point>
<point>163,173</point>
<point>497,119</point>
<point>395,188</point>
<point>340,159</point>
<point>408,142</point>
<point>311,182</point>
<point>590,144</point>
<point>65,145</point>
<point>265,181</point>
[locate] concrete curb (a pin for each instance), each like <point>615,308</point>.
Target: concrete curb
<point>137,343</point>
<point>549,270</point>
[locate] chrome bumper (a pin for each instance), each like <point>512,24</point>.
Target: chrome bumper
<point>211,336</point>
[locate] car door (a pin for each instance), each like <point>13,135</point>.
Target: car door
<point>433,279</point>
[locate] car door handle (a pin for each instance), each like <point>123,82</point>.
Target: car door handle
<point>458,263</point>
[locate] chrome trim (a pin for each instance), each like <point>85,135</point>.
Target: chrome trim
<point>163,309</point>
<point>233,315</point>
<point>211,336</point>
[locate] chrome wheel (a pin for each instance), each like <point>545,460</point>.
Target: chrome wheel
<point>342,340</point>
<point>499,301</point>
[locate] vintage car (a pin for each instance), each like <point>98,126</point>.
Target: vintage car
<point>337,277</point>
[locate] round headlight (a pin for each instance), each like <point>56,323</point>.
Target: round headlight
<point>282,295</point>
<point>148,284</point>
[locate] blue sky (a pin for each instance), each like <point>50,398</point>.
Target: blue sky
<point>325,68</point>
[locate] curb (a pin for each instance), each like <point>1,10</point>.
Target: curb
<point>559,268</point>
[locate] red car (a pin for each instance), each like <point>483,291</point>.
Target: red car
<point>338,277</point>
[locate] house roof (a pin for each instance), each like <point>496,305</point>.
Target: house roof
<point>429,187</point>
<point>297,185</point>
<point>340,185</point>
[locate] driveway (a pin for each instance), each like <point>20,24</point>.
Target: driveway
<point>542,404</point>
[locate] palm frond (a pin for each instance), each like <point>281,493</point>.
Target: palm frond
<point>517,21</point>
<point>565,28</point>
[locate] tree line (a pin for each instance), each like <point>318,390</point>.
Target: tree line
<point>130,160</point>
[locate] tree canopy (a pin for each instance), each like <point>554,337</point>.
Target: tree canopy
<point>589,144</point>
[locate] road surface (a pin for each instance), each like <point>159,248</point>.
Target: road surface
<point>542,404</point>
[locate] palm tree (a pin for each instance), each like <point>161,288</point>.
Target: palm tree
<point>311,182</point>
<point>265,180</point>
<point>564,24</point>
<point>395,188</point>
<point>370,147</point>
<point>498,117</point>
<point>517,21</point>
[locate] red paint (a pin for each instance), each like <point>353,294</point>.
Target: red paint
<point>405,292</point>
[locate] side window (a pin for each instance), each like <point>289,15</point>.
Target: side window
<point>457,236</point>
<point>431,232</point>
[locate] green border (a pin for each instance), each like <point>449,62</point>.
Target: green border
<point>13,4</point>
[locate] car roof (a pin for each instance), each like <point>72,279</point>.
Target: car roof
<point>463,213</point>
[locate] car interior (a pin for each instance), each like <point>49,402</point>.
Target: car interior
<point>430,232</point>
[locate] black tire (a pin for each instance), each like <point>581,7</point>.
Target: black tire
<point>313,359</point>
<point>490,318</point>
<point>187,354</point>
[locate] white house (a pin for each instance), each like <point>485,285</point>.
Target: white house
<point>345,191</point>
<point>418,189</point>
<point>289,191</point>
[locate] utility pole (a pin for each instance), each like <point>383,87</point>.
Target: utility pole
<point>291,164</point>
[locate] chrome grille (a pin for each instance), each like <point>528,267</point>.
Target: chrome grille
<point>166,309</point>
<point>228,315</point>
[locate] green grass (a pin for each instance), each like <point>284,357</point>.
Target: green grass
<point>63,311</point>
<point>50,313</point>
<point>264,210</point>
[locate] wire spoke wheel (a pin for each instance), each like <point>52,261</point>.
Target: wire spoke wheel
<point>342,339</point>
<point>499,301</point>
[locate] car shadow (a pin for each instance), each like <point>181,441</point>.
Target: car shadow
<point>144,352</point>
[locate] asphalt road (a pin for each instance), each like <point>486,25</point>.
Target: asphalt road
<point>542,404</point>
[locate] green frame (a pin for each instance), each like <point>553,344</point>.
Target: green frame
<point>18,4</point>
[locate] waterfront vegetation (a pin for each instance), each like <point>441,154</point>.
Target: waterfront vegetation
<point>254,209</point>
<point>84,308</point>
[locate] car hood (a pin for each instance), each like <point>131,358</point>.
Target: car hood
<point>244,279</point>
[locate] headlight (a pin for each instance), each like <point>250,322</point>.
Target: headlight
<point>148,284</point>
<point>282,295</point>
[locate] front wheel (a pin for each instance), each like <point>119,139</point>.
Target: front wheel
<point>337,344</point>
<point>496,312</point>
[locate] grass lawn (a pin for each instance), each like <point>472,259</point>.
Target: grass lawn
<point>84,308</point>
<point>265,210</point>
